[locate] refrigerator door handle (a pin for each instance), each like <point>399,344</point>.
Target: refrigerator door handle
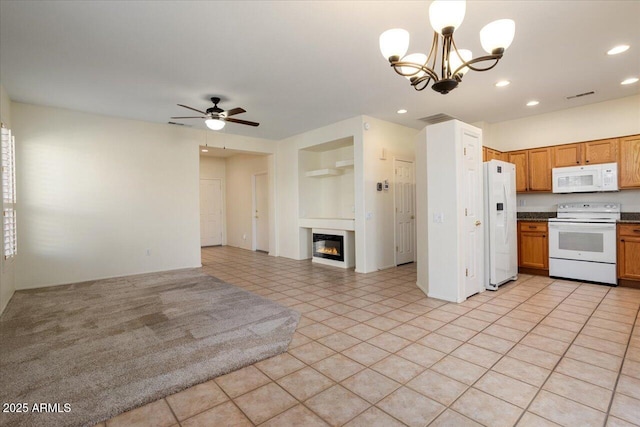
<point>506,213</point>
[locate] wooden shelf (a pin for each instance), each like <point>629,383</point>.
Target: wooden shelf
<point>321,173</point>
<point>342,164</point>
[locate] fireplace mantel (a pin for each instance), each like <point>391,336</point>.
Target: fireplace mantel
<point>345,224</point>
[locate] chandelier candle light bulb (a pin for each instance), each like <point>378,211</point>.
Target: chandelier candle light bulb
<point>445,17</point>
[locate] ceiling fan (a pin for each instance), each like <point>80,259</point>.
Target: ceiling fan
<point>215,117</point>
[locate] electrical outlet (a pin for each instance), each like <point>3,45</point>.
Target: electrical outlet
<point>244,236</point>
<point>438,217</point>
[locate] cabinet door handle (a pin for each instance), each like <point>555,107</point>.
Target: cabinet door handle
<point>578,162</point>
<point>544,235</point>
<point>636,231</point>
<point>622,240</point>
<point>533,226</point>
<point>587,161</point>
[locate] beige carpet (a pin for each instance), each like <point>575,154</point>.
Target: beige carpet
<point>111,345</point>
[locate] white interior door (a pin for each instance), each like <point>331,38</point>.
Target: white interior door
<point>473,244</point>
<point>404,201</point>
<point>210,212</point>
<point>261,214</point>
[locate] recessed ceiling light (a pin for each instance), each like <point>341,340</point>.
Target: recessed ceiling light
<point>503,83</point>
<point>532,103</point>
<point>401,111</point>
<point>204,150</point>
<point>629,81</point>
<point>618,49</point>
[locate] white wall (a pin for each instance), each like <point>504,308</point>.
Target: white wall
<point>547,202</point>
<point>215,168</point>
<point>398,142</point>
<point>240,169</point>
<point>374,236</point>
<point>326,197</point>
<point>608,119</point>
<point>293,241</point>
<point>7,267</point>
<point>98,192</point>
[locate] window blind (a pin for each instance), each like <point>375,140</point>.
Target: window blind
<point>8,177</point>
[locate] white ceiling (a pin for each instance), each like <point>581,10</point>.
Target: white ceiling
<point>296,66</point>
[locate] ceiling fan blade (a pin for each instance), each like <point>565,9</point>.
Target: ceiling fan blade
<point>184,106</point>
<point>235,111</point>
<point>191,117</point>
<point>242,122</point>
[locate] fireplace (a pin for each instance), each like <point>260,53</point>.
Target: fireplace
<point>328,246</point>
<point>333,247</point>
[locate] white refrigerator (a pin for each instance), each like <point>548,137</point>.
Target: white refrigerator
<point>501,239</point>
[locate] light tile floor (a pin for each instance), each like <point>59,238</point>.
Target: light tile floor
<point>372,350</point>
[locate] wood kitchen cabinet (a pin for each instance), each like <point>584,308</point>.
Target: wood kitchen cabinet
<point>539,169</point>
<point>519,158</point>
<point>629,254</point>
<point>567,155</point>
<point>533,247</point>
<point>491,154</point>
<point>602,151</point>
<point>629,162</point>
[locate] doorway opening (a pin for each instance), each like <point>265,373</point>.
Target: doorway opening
<point>260,212</point>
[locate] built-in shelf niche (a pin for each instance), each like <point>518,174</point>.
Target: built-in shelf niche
<point>343,164</point>
<point>331,196</point>
<point>321,173</point>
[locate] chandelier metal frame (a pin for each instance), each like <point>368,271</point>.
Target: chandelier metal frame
<point>448,79</point>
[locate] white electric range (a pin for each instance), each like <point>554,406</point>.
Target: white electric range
<point>582,242</point>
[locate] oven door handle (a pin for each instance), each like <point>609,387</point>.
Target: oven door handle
<point>582,227</point>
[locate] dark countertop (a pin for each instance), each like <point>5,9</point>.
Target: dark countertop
<point>630,217</point>
<point>536,216</point>
<point>625,217</point>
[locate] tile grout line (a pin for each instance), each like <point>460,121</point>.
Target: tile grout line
<point>624,357</point>
<point>562,358</point>
<point>506,354</point>
<point>450,322</point>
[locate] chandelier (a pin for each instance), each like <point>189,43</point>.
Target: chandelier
<point>445,16</point>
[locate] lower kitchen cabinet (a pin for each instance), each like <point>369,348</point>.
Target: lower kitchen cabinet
<point>533,247</point>
<point>629,254</point>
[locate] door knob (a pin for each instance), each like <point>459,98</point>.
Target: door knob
<point>478,223</point>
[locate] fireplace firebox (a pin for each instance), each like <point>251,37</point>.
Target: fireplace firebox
<point>328,246</point>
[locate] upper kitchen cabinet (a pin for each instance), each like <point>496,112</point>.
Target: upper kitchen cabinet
<point>602,151</point>
<point>566,155</point>
<point>540,161</point>
<point>629,162</point>
<point>491,154</point>
<point>519,158</point>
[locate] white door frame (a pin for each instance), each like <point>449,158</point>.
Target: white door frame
<point>395,230</point>
<point>254,228</point>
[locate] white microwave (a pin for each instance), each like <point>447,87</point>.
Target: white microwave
<point>586,179</point>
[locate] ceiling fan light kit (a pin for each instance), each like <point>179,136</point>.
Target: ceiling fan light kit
<point>214,124</point>
<point>215,117</point>
<point>445,17</point>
